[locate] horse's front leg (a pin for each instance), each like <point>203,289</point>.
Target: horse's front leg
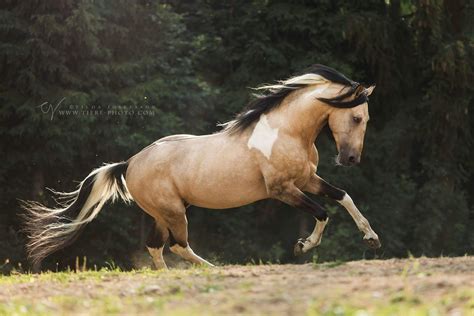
<point>303,245</point>
<point>318,186</point>
<point>291,195</point>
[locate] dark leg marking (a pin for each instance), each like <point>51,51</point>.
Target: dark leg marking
<point>294,197</point>
<point>330,191</point>
<point>311,207</point>
<point>173,241</point>
<point>155,242</point>
<point>156,238</point>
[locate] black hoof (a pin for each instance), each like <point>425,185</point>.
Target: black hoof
<point>298,249</point>
<point>373,243</point>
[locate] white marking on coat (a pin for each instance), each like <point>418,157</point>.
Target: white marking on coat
<point>314,239</point>
<point>263,137</point>
<point>188,254</point>
<point>157,255</point>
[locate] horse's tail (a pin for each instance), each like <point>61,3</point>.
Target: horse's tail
<point>50,229</point>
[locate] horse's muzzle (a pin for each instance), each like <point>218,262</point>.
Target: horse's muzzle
<point>348,158</point>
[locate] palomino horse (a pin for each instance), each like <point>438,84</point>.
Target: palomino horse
<point>268,151</point>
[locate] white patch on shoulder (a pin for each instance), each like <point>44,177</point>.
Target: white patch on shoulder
<point>263,137</point>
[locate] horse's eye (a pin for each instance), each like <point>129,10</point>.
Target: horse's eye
<point>357,119</point>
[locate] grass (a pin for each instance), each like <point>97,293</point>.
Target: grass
<point>458,303</point>
<point>143,299</point>
<point>99,275</point>
<point>94,306</point>
<point>147,304</point>
<point>413,287</point>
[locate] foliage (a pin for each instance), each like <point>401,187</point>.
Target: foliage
<point>189,65</point>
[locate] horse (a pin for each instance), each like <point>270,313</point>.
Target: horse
<point>266,152</point>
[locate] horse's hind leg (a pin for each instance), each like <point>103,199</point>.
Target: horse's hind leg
<point>178,227</point>
<point>155,243</point>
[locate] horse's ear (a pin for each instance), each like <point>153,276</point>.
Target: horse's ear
<point>369,90</point>
<point>359,90</point>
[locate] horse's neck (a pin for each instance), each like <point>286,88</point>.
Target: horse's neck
<point>301,116</point>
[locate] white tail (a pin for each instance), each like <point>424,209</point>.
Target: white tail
<point>50,229</point>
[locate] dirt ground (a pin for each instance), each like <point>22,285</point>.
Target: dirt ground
<point>416,286</point>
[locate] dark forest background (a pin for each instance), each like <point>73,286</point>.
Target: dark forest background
<point>182,66</point>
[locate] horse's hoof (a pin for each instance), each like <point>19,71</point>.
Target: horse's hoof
<point>373,243</point>
<point>298,249</point>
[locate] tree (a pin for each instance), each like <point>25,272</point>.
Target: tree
<point>64,61</point>
<point>189,65</point>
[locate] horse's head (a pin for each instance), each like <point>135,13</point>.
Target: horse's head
<point>348,127</point>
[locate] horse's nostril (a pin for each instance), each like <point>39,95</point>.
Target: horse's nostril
<point>352,159</point>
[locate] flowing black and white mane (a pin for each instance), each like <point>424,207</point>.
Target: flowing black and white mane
<point>272,95</point>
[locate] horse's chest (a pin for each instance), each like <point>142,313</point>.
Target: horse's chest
<point>281,157</point>
<point>298,170</point>
<point>288,166</point>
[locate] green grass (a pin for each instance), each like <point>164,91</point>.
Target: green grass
<point>208,291</point>
<point>99,275</point>
<point>143,300</point>
<point>149,304</point>
<point>105,305</point>
<point>458,303</point>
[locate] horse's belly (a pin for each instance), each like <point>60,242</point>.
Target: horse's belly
<point>224,185</point>
<point>222,180</point>
<point>225,194</point>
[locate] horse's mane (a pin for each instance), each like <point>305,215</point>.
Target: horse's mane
<point>273,95</point>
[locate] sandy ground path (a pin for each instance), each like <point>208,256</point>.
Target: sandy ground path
<point>417,286</point>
